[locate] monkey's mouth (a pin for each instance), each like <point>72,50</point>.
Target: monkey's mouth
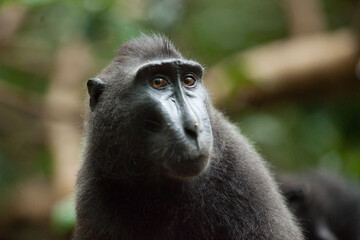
<point>187,168</point>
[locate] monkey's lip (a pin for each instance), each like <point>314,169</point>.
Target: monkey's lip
<point>187,168</point>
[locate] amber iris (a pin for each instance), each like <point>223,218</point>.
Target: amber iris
<point>159,82</point>
<point>189,81</point>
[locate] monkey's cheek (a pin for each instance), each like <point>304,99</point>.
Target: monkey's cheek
<point>187,169</point>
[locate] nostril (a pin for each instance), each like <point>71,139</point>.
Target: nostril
<point>191,133</point>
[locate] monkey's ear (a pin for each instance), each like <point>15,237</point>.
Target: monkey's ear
<point>95,88</point>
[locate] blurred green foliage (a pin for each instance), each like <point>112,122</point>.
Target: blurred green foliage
<point>315,134</point>
<point>63,217</point>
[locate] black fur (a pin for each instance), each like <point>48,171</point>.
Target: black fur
<point>124,192</point>
<point>327,206</point>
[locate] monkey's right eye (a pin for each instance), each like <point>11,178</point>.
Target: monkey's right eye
<point>159,82</point>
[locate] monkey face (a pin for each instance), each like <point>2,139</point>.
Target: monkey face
<point>179,135</point>
<point>164,118</point>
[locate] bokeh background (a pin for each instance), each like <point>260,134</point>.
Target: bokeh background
<point>283,70</point>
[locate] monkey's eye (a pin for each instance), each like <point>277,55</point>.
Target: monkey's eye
<point>159,82</point>
<point>189,81</point>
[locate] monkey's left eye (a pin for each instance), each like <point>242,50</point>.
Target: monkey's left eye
<point>159,82</point>
<point>189,81</point>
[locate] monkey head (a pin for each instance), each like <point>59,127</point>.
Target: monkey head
<point>149,115</point>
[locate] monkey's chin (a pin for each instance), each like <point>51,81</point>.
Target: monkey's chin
<point>187,169</point>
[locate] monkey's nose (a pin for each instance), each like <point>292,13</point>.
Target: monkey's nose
<point>191,126</point>
<point>191,123</point>
<point>191,129</point>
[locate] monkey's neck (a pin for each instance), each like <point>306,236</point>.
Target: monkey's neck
<point>152,208</point>
<point>143,188</point>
